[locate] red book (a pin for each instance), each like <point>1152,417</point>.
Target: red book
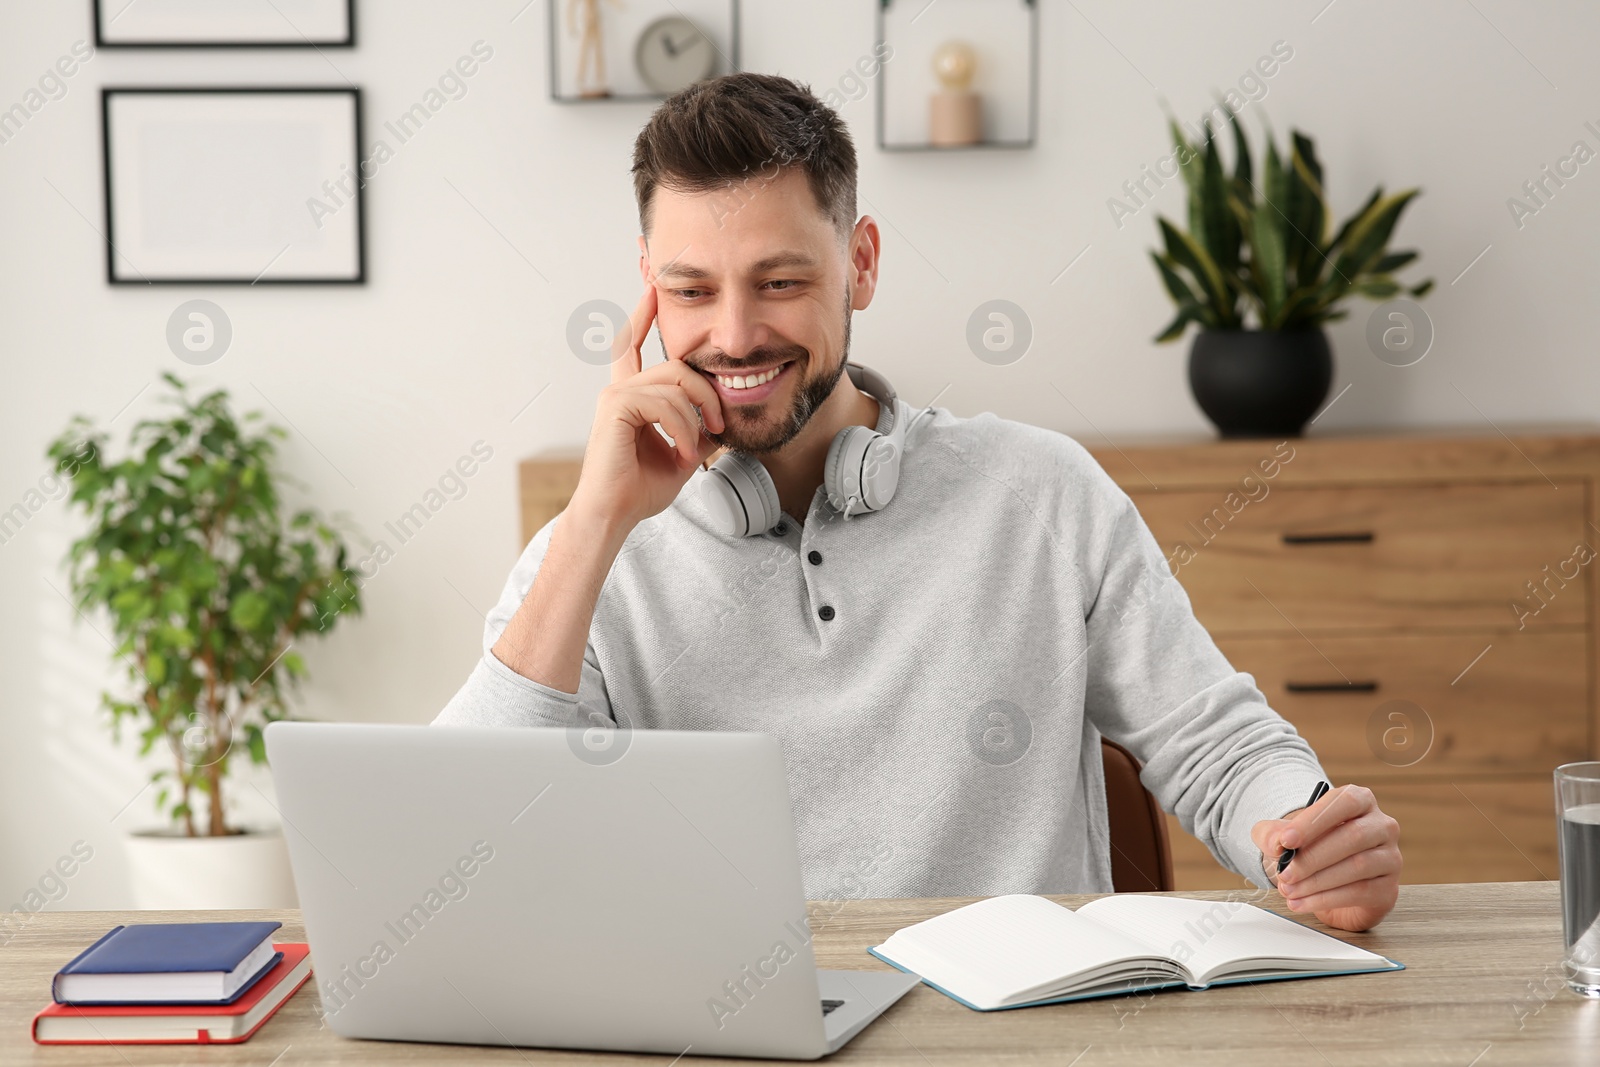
<point>165,1024</point>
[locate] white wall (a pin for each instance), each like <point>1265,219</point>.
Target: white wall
<point>386,385</point>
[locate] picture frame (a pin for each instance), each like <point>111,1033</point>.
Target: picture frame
<point>233,185</point>
<point>638,43</point>
<point>224,23</point>
<point>1003,32</point>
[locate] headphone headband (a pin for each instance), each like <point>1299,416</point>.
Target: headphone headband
<point>876,386</point>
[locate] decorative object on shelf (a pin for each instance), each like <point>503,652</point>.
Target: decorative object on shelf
<point>208,589</point>
<point>958,74</point>
<point>590,46</point>
<point>225,24</point>
<point>955,112</point>
<point>1261,252</point>
<point>655,47</point>
<point>233,185</point>
<point>672,54</point>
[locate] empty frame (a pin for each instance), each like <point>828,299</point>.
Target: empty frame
<point>224,23</point>
<point>233,185</point>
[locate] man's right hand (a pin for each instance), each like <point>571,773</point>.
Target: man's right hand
<point>630,472</point>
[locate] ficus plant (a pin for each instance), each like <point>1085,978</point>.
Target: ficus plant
<point>1258,247</point>
<point>207,583</point>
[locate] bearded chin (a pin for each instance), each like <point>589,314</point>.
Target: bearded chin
<point>755,438</point>
<point>759,435</point>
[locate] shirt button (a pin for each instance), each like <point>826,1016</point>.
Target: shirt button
<point>825,612</point>
<point>814,556</point>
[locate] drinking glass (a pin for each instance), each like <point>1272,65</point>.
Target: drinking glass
<point>1578,809</point>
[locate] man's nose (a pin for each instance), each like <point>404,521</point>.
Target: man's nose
<point>738,327</point>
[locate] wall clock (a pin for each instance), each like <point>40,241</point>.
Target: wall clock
<point>672,54</point>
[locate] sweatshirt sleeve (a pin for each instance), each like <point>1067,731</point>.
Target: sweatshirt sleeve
<point>496,695</point>
<point>1214,753</point>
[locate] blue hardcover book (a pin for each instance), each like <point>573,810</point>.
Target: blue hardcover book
<point>168,963</point>
<point>1020,950</point>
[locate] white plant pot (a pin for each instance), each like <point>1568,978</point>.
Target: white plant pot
<point>171,871</point>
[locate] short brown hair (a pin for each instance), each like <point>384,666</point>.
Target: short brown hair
<point>740,126</point>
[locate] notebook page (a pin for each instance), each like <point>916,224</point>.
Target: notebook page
<point>1206,935</point>
<point>995,948</point>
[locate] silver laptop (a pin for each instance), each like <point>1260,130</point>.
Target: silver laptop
<point>630,890</point>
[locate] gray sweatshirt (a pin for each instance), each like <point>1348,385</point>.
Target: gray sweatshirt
<point>941,724</point>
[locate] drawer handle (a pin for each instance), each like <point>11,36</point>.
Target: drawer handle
<point>1331,687</point>
<point>1358,537</point>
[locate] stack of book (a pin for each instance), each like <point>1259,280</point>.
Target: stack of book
<point>163,983</point>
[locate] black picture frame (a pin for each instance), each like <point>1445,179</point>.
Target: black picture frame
<point>552,31</point>
<point>1033,91</point>
<point>97,12</point>
<point>108,180</point>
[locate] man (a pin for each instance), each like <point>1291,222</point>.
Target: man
<point>940,670</point>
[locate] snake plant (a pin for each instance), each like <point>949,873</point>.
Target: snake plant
<point>1259,247</point>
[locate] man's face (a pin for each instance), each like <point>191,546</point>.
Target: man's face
<point>755,294</point>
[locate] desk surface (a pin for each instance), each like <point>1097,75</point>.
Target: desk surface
<point>1483,988</point>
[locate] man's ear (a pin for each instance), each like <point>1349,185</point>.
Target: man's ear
<point>863,266</point>
<point>644,260</point>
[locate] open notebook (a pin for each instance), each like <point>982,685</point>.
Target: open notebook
<point>1018,950</point>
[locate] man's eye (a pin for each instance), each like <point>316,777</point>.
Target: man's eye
<point>690,294</point>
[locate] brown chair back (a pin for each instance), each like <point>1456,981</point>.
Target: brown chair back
<point>1141,854</point>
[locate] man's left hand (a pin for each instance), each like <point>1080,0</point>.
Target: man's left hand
<point>1346,866</point>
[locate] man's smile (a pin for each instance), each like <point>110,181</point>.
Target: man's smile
<point>749,386</point>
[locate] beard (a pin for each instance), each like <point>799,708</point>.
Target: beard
<point>754,433</point>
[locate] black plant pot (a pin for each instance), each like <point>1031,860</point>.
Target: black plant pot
<point>1260,383</point>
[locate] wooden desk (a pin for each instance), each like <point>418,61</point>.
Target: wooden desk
<point>1483,987</point>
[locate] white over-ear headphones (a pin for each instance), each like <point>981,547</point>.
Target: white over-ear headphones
<point>860,474</point>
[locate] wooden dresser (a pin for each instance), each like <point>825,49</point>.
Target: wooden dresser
<point>1420,606</point>
<point>1369,583</point>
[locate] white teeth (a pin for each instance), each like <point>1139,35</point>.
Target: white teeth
<point>742,382</point>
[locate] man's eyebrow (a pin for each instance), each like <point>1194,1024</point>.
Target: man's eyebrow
<point>772,262</point>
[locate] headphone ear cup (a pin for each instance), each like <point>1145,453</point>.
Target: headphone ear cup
<point>739,496</point>
<point>843,468</point>
<point>880,472</point>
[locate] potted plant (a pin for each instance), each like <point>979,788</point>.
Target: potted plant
<point>207,590</point>
<point>1258,273</point>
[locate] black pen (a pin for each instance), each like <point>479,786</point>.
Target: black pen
<point>1288,854</point>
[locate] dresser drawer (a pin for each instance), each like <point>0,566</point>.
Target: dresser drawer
<point>1427,705</point>
<point>1361,558</point>
<point>1465,831</point>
